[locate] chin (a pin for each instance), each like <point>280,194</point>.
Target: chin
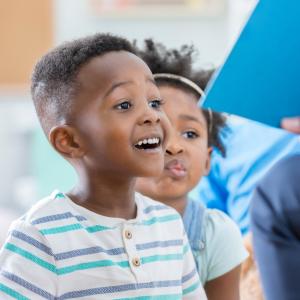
<point>152,173</point>
<point>153,169</point>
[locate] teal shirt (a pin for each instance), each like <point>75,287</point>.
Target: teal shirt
<point>215,240</point>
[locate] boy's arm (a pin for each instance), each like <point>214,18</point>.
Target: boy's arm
<point>191,286</point>
<point>27,265</point>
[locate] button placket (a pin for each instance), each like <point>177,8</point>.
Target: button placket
<point>136,261</point>
<point>134,258</point>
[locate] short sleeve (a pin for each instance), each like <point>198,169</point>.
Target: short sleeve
<point>224,249</point>
<point>27,265</point>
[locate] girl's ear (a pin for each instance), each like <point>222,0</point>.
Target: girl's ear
<point>207,163</point>
<point>65,140</point>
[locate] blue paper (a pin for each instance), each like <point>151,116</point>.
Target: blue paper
<point>260,79</point>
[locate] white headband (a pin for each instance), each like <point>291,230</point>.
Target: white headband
<point>182,79</point>
<point>190,84</point>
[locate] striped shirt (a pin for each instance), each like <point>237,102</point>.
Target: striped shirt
<point>60,250</point>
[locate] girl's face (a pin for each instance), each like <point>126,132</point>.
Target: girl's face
<point>187,156</point>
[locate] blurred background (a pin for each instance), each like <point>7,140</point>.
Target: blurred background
<point>29,168</point>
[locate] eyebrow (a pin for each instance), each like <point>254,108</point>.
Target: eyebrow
<point>191,118</point>
<point>121,83</point>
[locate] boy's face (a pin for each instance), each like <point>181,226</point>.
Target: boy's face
<point>187,154</point>
<point>118,117</point>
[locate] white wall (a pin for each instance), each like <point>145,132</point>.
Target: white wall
<point>17,120</point>
<point>211,35</point>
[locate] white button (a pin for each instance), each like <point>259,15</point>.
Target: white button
<point>136,262</point>
<point>128,234</point>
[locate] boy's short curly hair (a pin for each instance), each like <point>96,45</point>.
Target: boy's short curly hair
<point>53,81</point>
<point>179,62</point>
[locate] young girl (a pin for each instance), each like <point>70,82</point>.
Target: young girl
<point>215,240</point>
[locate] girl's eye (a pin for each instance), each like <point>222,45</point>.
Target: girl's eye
<point>155,103</point>
<point>124,105</point>
<point>190,134</point>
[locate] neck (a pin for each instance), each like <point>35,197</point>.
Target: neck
<point>106,195</point>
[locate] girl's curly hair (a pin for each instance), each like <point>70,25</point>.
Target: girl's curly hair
<point>180,62</point>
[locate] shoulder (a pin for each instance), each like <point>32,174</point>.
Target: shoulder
<point>279,184</point>
<point>24,240</point>
<point>148,205</point>
<point>46,208</point>
<point>284,170</point>
<point>43,210</point>
<point>156,213</point>
<point>219,228</point>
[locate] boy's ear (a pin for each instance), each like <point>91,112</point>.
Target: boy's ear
<point>65,140</point>
<point>207,163</point>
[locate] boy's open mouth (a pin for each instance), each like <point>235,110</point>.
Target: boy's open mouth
<point>148,143</point>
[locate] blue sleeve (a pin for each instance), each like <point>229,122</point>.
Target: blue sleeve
<point>252,149</point>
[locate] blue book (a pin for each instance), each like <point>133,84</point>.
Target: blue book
<point>260,79</point>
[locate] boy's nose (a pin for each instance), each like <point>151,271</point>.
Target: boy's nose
<point>150,117</point>
<point>174,146</point>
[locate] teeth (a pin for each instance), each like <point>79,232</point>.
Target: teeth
<point>154,141</point>
<point>148,141</point>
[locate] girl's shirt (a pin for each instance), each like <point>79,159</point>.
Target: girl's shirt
<point>215,240</point>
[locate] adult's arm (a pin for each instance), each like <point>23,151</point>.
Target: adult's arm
<point>275,222</point>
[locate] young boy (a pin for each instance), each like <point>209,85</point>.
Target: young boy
<point>215,240</point>
<point>99,106</point>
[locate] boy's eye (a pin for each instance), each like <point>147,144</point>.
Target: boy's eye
<point>190,134</point>
<point>155,103</point>
<point>124,105</point>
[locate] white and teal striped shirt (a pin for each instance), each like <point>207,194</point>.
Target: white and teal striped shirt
<point>60,250</point>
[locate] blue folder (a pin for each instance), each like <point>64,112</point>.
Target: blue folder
<point>260,79</point>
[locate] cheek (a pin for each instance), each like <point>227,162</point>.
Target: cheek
<point>166,125</point>
<point>117,137</point>
<point>198,161</point>
<point>107,144</point>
